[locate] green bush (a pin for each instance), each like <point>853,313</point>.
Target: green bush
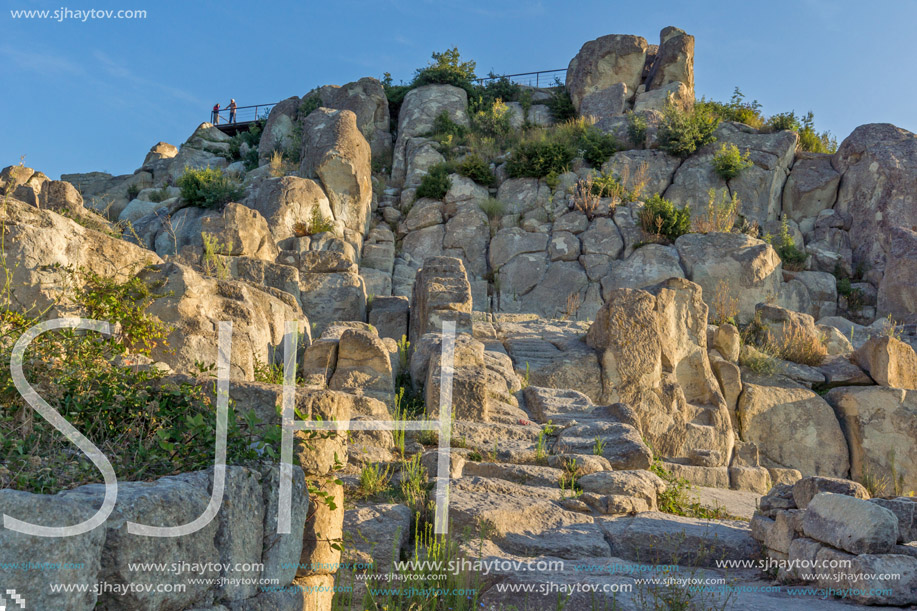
<point>492,121</point>
<point>538,158</point>
<point>737,109</point>
<point>208,187</point>
<point>681,133</point>
<point>636,128</point>
<point>659,216</point>
<point>146,427</point>
<point>793,258</point>
<point>729,161</point>
<point>497,89</point>
<point>560,105</point>
<point>447,68</point>
<point>443,125</point>
<point>596,147</point>
<point>435,183</point>
<point>251,137</point>
<point>474,167</point>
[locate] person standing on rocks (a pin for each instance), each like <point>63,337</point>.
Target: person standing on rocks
<point>215,114</point>
<point>232,110</point>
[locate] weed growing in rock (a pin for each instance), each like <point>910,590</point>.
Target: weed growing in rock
<point>132,192</point>
<point>586,199</point>
<point>538,156</point>
<point>793,258</point>
<point>316,224</point>
<point>215,261</point>
<point>159,195</point>
<point>208,187</point>
<point>244,145</point>
<point>598,446</point>
<point>414,483</point>
<point>660,217</point>
<point>374,479</point>
<point>800,347</point>
<point>676,499</point>
<point>560,105</point>
<point>725,307</point>
<point>720,214</point>
<point>729,162</point>
<point>636,129</point>
<point>493,120</point>
<point>596,147</point>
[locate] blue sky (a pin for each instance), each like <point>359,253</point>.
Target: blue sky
<point>90,96</point>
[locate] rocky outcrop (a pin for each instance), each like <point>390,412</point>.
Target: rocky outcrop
<point>605,62</point>
<point>334,150</point>
<point>193,305</point>
<point>889,361</point>
<point>286,201</point>
<point>880,425</point>
<point>441,293</point>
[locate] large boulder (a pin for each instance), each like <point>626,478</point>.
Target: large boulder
<point>648,265</point>
<point>601,63</point>
<point>243,232</point>
<point>286,201</point>
<point>879,166</point>
<point>334,150</point>
<point>850,524</point>
<point>889,361</point>
<point>652,347</point>
<point>674,61</point>
<point>793,428</point>
<point>193,306</point>
<point>881,427</point>
<point>810,188</point>
<point>746,269</point>
<point>366,99</point>
<point>40,245</point>
<point>279,133</point>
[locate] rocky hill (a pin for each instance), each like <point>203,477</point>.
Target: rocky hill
<point>685,335</point>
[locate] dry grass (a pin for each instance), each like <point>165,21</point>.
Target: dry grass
<point>800,347</point>
<point>725,305</point>
<point>584,199</point>
<point>574,302</point>
<point>720,214</point>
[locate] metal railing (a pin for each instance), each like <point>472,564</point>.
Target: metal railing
<point>245,114</point>
<point>541,78</point>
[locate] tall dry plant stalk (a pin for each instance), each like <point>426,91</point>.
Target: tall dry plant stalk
<point>720,214</point>
<point>584,199</point>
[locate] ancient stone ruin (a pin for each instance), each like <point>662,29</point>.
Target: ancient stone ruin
<point>621,394</point>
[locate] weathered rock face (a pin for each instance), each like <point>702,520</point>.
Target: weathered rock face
<point>44,243</point>
<point>744,268</point>
<point>889,361</point>
<point>366,99</point>
<point>207,147</point>
<point>243,232</point>
<point>600,63</point>
<point>881,426</point>
<point>470,397</point>
<point>898,288</point>
<point>850,524</point>
<point>653,350</point>
<point>608,102</point>
<point>420,108</point>
<point>279,129</point>
<point>441,293</point>
<point>194,305</point>
<point>286,201</point>
<point>759,187</point>
<point>810,188</point>
<point>808,488</point>
<point>793,427</point>
<point>674,61</point>
<point>879,166</point>
<point>334,150</point>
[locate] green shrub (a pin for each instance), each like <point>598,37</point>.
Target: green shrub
<point>208,187</point>
<point>493,120</point>
<point>681,133</point>
<point>447,68</point>
<point>737,109</point>
<point>538,158</point>
<point>659,216</point>
<point>309,103</point>
<point>728,162</point>
<point>636,128</point>
<point>474,167</point>
<point>793,258</point>
<point>145,426</point>
<point>560,105</point>
<point>435,183</point>
<point>443,125</point>
<point>493,208</point>
<point>250,137</point>
<point>316,224</point>
<point>596,147</point>
<point>133,191</point>
<point>497,89</point>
